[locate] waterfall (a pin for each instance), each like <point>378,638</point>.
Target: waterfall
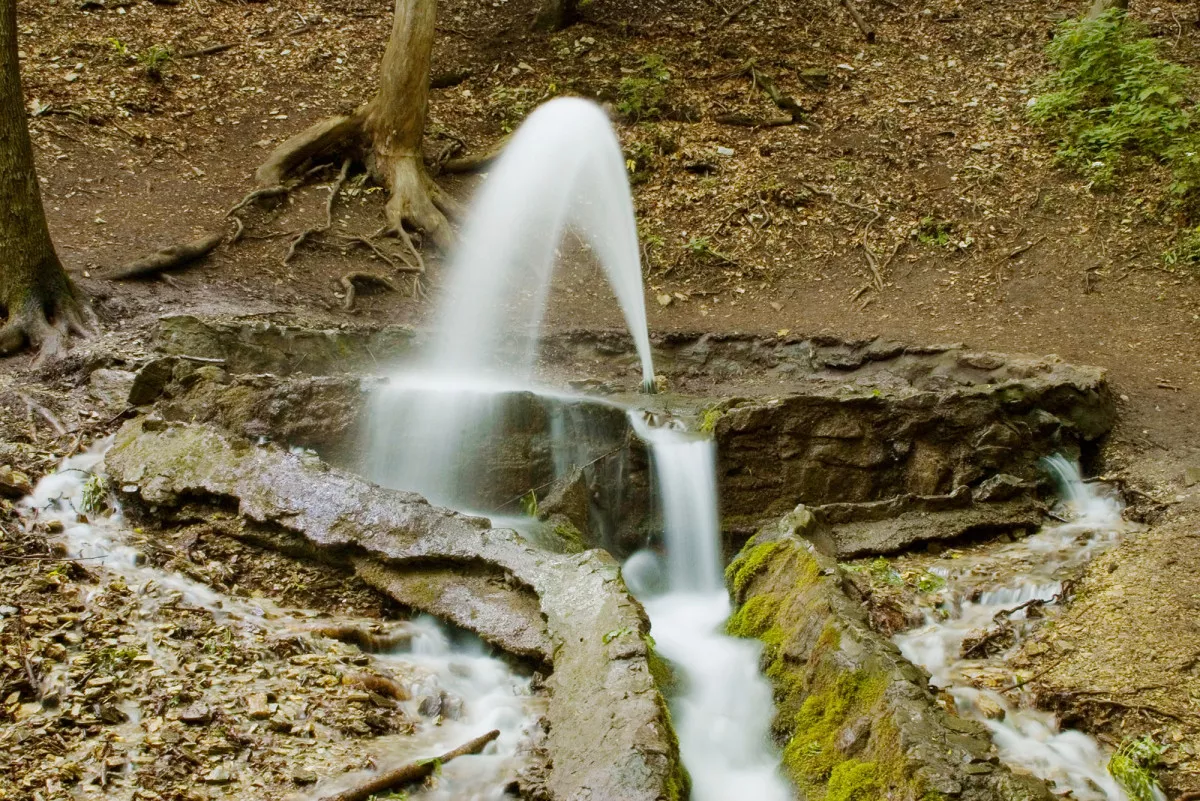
<point>724,714</point>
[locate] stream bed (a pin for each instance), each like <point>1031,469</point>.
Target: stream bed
<point>989,606</point>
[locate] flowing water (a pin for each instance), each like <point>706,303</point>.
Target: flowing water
<point>433,429</point>
<point>983,687</point>
<point>724,713</point>
<point>486,693</point>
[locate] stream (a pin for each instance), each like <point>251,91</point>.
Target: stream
<point>1026,576</point>
<point>478,692</point>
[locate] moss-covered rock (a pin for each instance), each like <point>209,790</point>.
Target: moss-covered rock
<point>854,718</point>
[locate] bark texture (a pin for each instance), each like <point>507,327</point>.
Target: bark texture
<point>39,302</point>
<point>386,133</point>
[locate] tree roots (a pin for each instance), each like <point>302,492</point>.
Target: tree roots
<point>45,326</point>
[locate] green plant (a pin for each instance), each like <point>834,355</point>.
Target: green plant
<point>154,60</point>
<point>119,47</point>
<point>708,419</point>
<point>932,231</point>
<point>1113,102</point>
<point>702,246</point>
<point>1132,766</point>
<point>643,96</point>
<point>511,105</point>
<point>529,504</point>
<point>95,495</point>
<point>930,582</point>
<point>1186,250</point>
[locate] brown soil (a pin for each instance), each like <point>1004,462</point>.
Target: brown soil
<point>927,123</point>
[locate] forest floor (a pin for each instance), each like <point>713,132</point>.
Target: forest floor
<point>914,201</point>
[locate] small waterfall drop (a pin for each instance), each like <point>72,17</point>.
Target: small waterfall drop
<point>724,713</point>
<point>1025,736</point>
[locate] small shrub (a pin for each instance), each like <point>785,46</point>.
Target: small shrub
<point>1113,102</point>
<point>932,231</point>
<point>1186,251</point>
<point>643,96</point>
<point>1132,767</point>
<point>154,61</point>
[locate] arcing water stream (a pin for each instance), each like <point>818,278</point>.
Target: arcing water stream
<point>430,427</point>
<point>1023,576</point>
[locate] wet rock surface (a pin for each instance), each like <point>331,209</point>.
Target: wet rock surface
<point>854,716</point>
<point>610,737</point>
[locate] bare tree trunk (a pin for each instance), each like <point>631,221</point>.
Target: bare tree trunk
<point>386,133</point>
<point>1100,6</point>
<point>556,15</point>
<point>40,303</point>
<point>394,122</point>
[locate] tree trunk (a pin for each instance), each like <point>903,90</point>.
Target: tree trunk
<point>556,15</point>
<point>394,123</point>
<point>39,302</point>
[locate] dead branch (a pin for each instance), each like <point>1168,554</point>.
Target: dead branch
<point>366,279</point>
<point>363,638</point>
<point>445,80</point>
<point>410,773</point>
<point>380,685</point>
<point>746,121</point>
<point>867,31</point>
<point>737,12</point>
<point>169,258</point>
<point>207,51</point>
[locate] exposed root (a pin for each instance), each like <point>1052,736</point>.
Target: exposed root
<point>412,200</point>
<point>45,326</point>
<point>324,138</point>
<point>334,190</point>
<point>366,279</point>
<point>256,195</point>
<point>169,258</point>
<point>471,163</point>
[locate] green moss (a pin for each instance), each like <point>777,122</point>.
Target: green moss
<point>661,672</point>
<point>754,617</point>
<point>751,561</point>
<point>811,755</point>
<point>853,780</point>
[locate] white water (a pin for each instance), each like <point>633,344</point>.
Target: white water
<point>1026,738</point>
<point>490,695</point>
<point>724,713</point>
<point>562,170</point>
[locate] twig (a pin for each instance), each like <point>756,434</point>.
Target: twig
<point>412,772</point>
<point>737,12</point>
<point>862,25</point>
<point>334,190</point>
<point>1013,254</point>
<point>34,684</point>
<point>43,412</point>
<point>1019,684</point>
<point>208,51</point>
<point>548,483</point>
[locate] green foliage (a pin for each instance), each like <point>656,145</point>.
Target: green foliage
<point>1114,103</point>
<point>119,48</point>
<point>932,231</point>
<point>154,60</point>
<point>609,636</point>
<point>643,96</point>
<point>1132,766</point>
<point>95,495</point>
<point>510,105</point>
<point>930,582</point>
<point>529,504</point>
<point>1186,251</point>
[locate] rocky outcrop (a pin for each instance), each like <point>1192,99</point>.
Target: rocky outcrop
<point>610,736</point>
<point>850,530</point>
<point>854,716</point>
